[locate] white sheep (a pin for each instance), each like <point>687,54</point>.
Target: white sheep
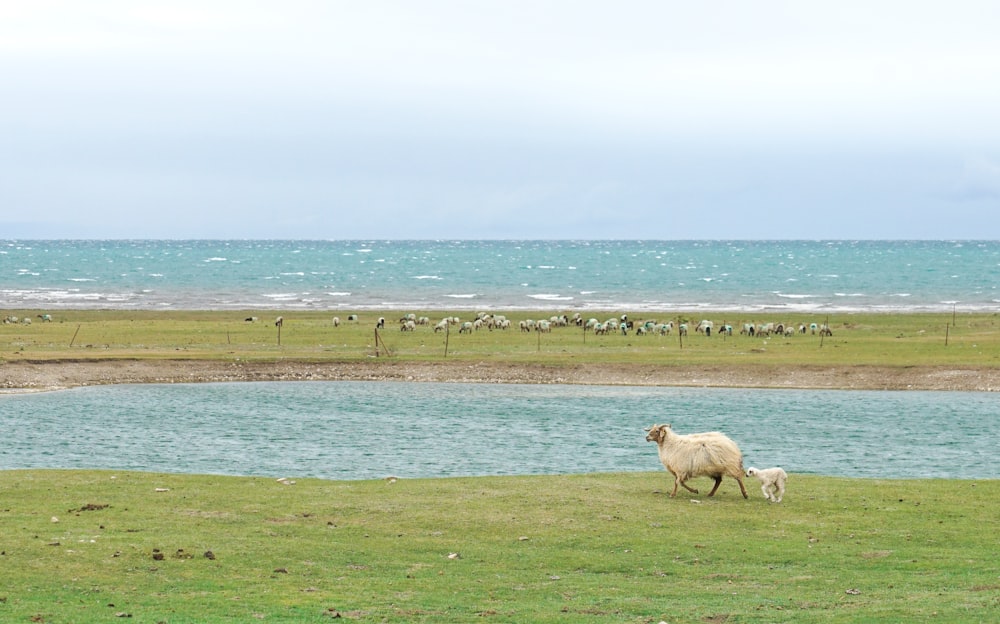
<point>709,454</point>
<point>772,482</point>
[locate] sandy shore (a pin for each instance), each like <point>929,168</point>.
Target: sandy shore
<point>34,376</point>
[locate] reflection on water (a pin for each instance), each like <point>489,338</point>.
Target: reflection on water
<point>359,430</point>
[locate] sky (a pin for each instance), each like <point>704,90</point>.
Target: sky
<point>465,119</point>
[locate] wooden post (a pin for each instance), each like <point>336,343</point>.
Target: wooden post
<point>447,334</point>
<point>822,334</point>
<point>74,335</point>
<point>946,335</point>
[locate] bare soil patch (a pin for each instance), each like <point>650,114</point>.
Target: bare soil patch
<point>28,376</point>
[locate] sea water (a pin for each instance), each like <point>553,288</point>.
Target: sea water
<point>808,276</point>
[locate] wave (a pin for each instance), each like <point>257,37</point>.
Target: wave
<point>545,297</point>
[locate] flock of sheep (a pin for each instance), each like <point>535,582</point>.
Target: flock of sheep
<point>614,325</point>
<point>710,454</point>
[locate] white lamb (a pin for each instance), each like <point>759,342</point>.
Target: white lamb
<point>772,482</point>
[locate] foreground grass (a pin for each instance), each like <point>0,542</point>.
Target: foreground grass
<point>858,339</point>
<point>86,546</point>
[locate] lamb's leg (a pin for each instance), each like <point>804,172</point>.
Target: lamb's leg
<point>781,491</point>
<point>766,491</point>
<point>718,481</point>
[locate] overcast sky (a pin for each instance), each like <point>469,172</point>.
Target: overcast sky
<point>500,119</point>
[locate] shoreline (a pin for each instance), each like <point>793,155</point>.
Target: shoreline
<point>25,376</point>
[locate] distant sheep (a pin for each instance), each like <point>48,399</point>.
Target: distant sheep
<point>772,482</point>
<point>278,322</point>
<point>710,454</point>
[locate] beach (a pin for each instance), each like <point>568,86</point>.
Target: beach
<point>51,375</point>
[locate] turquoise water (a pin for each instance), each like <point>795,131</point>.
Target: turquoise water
<point>359,430</point>
<point>822,276</point>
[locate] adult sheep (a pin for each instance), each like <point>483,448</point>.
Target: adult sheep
<point>709,454</point>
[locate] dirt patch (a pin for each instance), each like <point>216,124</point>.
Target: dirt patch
<point>28,376</point>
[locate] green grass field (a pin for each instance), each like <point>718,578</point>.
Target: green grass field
<point>858,339</point>
<point>90,546</point>
<point>94,546</point>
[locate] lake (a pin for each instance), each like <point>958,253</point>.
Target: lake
<point>362,430</point>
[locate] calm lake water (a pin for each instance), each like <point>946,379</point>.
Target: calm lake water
<point>361,430</point>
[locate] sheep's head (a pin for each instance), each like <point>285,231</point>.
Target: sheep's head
<point>751,472</point>
<point>656,433</point>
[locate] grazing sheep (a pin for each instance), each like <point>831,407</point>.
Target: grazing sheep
<point>380,323</point>
<point>336,321</point>
<point>408,326</point>
<point>46,318</point>
<point>772,482</point>
<point>278,322</point>
<point>710,454</point>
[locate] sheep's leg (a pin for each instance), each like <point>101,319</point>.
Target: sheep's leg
<point>767,492</point>
<point>743,488</point>
<point>718,482</point>
<point>781,491</point>
<point>686,486</point>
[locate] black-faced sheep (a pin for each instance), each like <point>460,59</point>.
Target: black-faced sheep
<point>709,454</point>
<point>772,482</point>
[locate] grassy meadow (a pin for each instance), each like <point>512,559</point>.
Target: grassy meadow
<point>98,546</point>
<point>93,546</point>
<point>858,339</point>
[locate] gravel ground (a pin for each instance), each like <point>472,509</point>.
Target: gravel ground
<point>28,376</point>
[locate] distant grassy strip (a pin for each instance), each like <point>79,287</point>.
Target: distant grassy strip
<point>86,546</point>
<point>858,339</point>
